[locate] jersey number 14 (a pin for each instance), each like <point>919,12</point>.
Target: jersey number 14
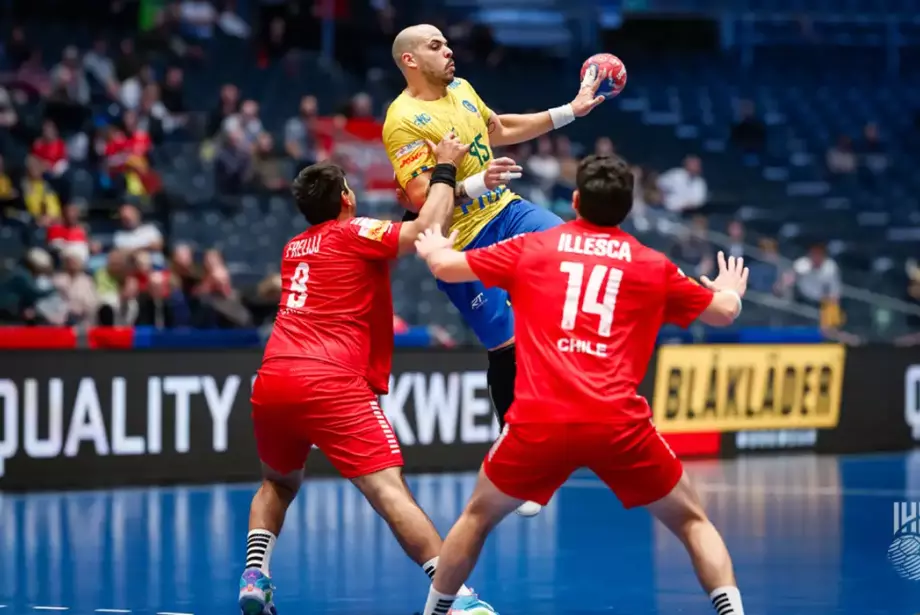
<point>298,295</point>
<point>591,300</point>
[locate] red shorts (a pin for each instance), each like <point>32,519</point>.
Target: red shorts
<point>530,461</point>
<point>293,409</point>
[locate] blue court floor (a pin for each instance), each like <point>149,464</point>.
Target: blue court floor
<point>809,535</point>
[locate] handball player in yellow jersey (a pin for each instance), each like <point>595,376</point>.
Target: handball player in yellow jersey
<point>434,103</point>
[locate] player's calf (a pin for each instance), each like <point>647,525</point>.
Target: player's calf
<point>682,513</point>
<point>266,517</point>
<point>387,492</point>
<point>486,508</point>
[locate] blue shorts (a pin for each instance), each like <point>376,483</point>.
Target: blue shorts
<point>488,311</point>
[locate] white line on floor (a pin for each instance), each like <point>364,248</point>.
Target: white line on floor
<point>169,613</point>
<point>51,608</point>
<point>587,483</point>
<point>113,610</point>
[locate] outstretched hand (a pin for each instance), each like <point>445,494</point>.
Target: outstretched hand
<point>587,97</point>
<point>733,275</point>
<point>431,240</point>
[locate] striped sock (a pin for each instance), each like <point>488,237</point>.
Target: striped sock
<point>438,603</point>
<point>259,547</point>
<point>727,601</point>
<point>431,565</point>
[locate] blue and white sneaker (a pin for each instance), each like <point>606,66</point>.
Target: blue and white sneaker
<point>471,605</point>
<point>256,593</point>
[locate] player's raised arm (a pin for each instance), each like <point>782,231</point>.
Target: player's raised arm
<point>493,265</point>
<point>508,128</point>
<point>438,206</point>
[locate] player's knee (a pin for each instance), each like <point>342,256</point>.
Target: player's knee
<point>386,490</point>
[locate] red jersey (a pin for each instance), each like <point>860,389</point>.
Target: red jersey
<point>336,305</point>
<point>589,303</point>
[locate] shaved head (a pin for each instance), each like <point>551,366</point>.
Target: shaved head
<point>410,38</point>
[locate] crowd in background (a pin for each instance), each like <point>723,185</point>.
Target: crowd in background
<point>128,273</point>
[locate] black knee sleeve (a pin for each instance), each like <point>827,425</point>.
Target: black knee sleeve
<point>502,369</point>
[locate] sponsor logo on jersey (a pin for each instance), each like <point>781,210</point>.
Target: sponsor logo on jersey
<point>414,157</point>
<point>748,387</point>
<point>454,84</point>
<point>407,149</point>
<point>421,119</point>
<point>470,107</point>
<point>370,228</point>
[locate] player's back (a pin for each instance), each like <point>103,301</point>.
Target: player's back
<point>336,305</point>
<point>589,304</point>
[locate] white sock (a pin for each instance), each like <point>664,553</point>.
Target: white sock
<point>259,547</point>
<point>727,601</point>
<point>431,565</point>
<point>438,603</point>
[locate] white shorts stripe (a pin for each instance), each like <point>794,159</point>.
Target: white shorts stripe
<point>385,427</point>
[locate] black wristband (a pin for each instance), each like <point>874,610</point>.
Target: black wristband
<point>444,173</point>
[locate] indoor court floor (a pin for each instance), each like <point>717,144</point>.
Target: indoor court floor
<point>809,535</point>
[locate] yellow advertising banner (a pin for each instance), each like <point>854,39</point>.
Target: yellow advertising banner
<point>746,387</point>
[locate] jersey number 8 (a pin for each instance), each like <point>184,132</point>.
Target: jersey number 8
<point>298,296</point>
<point>590,300</point>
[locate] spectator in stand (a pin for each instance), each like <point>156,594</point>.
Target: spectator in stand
<point>231,23</point>
<point>693,247</point>
<point>68,79</point>
<point>840,158</point>
<point>132,88</point>
<point>300,142</point>
<point>227,105</point>
<point>818,283</point>
<point>171,91</point>
<point>117,291</point>
<point>100,66</point>
<point>873,150</point>
<point>51,151</point>
<point>129,63</point>
<point>604,147</point>
<point>684,188</point>
<point>736,245</point>
<point>41,201</point>
<point>749,133</point>
<point>8,116</point>
<point>233,167</point>
<point>18,49</point>
<point>69,235</point>
<point>267,168</point>
<point>544,165</point>
<point>183,271</point>
<point>137,236</point>
<point>33,76</point>
<point>568,164</point>
<point>246,124</point>
<point>221,306</point>
<point>9,195</point>
<point>76,287</point>
<point>768,271</point>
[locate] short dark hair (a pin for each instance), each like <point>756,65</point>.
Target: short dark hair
<point>318,192</point>
<point>605,190</point>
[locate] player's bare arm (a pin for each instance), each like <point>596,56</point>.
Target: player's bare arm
<point>499,171</point>
<point>508,129</point>
<point>729,287</point>
<point>437,208</point>
<point>445,263</point>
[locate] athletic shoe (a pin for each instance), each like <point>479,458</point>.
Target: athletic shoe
<point>529,509</point>
<point>256,593</point>
<point>471,605</point>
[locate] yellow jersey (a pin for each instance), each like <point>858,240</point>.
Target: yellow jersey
<point>410,122</point>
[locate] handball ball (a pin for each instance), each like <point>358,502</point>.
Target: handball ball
<point>610,69</point>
